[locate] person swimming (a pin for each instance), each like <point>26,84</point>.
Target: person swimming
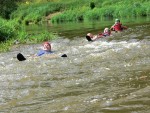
<point>91,37</point>
<point>106,32</point>
<point>46,49</point>
<point>117,26</point>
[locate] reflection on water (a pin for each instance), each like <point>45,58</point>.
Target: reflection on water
<point>111,75</point>
<point>80,29</point>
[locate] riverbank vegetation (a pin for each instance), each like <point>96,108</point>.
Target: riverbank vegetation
<point>25,12</point>
<point>11,32</point>
<point>80,10</point>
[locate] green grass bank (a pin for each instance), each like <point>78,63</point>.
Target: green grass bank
<point>11,31</point>
<point>79,10</point>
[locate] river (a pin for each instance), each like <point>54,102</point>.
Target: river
<point>110,75</point>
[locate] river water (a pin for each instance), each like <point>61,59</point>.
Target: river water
<point>110,75</point>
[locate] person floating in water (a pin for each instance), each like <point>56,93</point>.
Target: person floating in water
<point>117,26</point>
<point>46,49</point>
<point>91,37</point>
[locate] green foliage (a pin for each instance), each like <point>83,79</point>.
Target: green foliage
<point>106,3</point>
<point>11,31</point>
<point>35,12</point>
<point>92,14</point>
<point>8,29</point>
<point>7,7</point>
<point>44,36</point>
<point>70,15</point>
<point>73,10</point>
<point>24,37</point>
<point>5,46</point>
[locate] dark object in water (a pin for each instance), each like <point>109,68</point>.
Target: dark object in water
<point>88,38</point>
<point>64,55</point>
<point>20,57</point>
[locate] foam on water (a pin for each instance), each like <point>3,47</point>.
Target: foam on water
<point>108,75</point>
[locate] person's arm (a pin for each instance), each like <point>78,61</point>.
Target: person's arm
<point>95,37</point>
<point>112,28</point>
<point>54,55</point>
<point>124,27</point>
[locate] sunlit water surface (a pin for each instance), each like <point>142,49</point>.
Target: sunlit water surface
<point>110,75</point>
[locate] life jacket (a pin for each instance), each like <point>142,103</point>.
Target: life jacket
<point>118,27</point>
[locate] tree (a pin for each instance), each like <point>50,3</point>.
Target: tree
<point>7,7</point>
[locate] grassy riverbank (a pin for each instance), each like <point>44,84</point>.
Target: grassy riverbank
<point>80,10</point>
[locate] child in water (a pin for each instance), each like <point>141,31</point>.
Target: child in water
<point>91,37</point>
<point>46,50</point>
<point>118,26</point>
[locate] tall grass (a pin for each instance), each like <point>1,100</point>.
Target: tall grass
<point>6,46</point>
<point>71,15</point>
<point>24,37</point>
<point>8,33</point>
<point>118,10</point>
<point>8,29</point>
<point>76,10</point>
<point>35,12</point>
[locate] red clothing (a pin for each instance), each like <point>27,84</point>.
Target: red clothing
<point>104,34</point>
<point>118,27</point>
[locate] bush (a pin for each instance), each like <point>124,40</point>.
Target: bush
<point>8,29</point>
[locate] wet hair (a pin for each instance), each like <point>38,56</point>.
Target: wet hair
<point>106,29</point>
<point>47,43</point>
<point>88,38</point>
